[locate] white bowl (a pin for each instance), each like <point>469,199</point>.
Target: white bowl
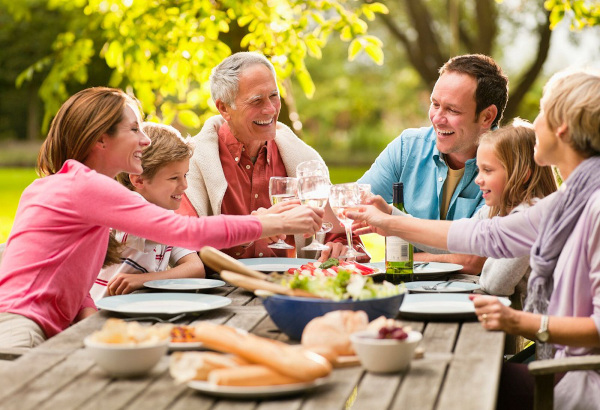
<point>122,360</point>
<point>384,355</point>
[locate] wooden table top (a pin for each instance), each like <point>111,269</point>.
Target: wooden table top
<point>460,370</point>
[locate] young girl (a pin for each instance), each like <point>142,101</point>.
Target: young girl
<point>60,234</point>
<point>511,181</point>
<point>166,164</point>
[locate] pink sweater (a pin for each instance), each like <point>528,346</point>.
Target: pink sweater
<point>60,235</point>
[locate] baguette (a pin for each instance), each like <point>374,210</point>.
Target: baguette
<point>287,360</point>
<point>251,375</point>
<point>197,365</point>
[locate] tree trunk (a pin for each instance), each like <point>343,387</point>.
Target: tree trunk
<point>426,51</point>
<point>525,83</point>
<point>33,112</point>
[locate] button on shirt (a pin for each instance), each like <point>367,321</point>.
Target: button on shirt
<point>414,159</point>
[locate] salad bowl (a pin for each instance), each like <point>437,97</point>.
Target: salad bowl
<point>291,314</point>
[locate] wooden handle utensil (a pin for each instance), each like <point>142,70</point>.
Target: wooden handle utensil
<point>220,261</point>
<point>253,284</point>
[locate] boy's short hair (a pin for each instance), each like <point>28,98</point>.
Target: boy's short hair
<point>167,146</point>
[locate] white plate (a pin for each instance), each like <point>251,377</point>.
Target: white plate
<point>275,264</point>
<point>143,304</point>
<point>441,287</point>
<point>440,306</point>
<point>255,392</point>
<point>185,346</point>
<point>184,284</point>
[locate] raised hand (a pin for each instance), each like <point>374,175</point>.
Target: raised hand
<point>298,220</point>
<point>369,219</point>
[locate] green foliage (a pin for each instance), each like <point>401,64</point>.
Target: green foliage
<point>163,50</point>
<point>361,106</point>
<point>580,13</point>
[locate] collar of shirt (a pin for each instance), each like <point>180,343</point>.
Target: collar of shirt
<point>237,149</point>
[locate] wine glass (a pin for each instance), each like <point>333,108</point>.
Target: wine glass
<point>282,189</point>
<point>364,191</point>
<point>315,167</point>
<point>344,198</point>
<point>312,167</point>
<point>314,191</point>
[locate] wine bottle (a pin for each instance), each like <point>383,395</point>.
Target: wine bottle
<point>398,252</point>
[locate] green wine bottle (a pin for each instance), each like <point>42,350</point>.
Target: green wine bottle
<point>398,252</point>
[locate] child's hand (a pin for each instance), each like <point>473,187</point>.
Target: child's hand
<point>125,283</point>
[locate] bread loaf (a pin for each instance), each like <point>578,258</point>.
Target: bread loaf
<point>250,375</point>
<point>186,366</point>
<point>333,330</point>
<point>295,363</point>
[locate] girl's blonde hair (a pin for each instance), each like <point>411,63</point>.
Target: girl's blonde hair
<point>513,145</point>
<point>573,98</point>
<point>79,123</point>
<point>167,146</point>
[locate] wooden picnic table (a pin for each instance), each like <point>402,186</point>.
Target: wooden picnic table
<point>460,370</point>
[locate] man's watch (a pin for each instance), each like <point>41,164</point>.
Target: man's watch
<point>543,335</point>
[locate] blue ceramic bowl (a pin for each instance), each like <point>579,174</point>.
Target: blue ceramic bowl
<point>292,313</point>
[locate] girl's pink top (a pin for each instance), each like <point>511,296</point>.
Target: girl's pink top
<point>60,235</point>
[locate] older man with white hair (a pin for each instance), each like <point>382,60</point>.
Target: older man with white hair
<point>238,151</point>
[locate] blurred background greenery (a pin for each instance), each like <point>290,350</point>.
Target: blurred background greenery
<point>352,74</point>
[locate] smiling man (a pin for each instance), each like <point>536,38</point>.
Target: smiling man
<point>437,164</point>
<point>237,152</point>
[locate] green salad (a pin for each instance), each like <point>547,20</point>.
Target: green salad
<point>343,286</point>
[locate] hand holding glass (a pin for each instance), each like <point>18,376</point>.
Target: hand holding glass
<point>344,198</point>
<point>314,191</point>
<point>282,189</point>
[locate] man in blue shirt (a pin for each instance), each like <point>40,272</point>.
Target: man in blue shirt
<point>437,164</point>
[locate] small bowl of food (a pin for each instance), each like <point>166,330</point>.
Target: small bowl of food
<point>124,349</point>
<point>387,350</point>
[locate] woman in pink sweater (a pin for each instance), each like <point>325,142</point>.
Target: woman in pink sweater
<point>60,234</point>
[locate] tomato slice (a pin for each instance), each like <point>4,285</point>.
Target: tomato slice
<point>362,269</point>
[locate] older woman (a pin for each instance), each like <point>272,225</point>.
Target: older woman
<point>562,234</point>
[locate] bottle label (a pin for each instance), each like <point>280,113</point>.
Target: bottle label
<point>397,249</point>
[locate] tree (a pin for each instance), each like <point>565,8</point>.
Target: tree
<point>580,13</point>
<point>163,50</point>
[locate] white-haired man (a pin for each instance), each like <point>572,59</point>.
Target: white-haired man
<point>238,151</point>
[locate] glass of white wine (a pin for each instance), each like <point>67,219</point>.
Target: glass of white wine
<point>344,198</point>
<point>282,189</point>
<point>314,191</point>
<point>312,168</point>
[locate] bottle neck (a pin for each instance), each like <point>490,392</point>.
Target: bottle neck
<point>398,197</point>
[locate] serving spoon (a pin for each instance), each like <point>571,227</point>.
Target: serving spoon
<point>253,285</point>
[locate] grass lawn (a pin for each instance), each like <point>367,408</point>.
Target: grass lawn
<point>14,180</point>
<point>12,183</point>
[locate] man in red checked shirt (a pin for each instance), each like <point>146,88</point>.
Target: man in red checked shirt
<point>237,152</point>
